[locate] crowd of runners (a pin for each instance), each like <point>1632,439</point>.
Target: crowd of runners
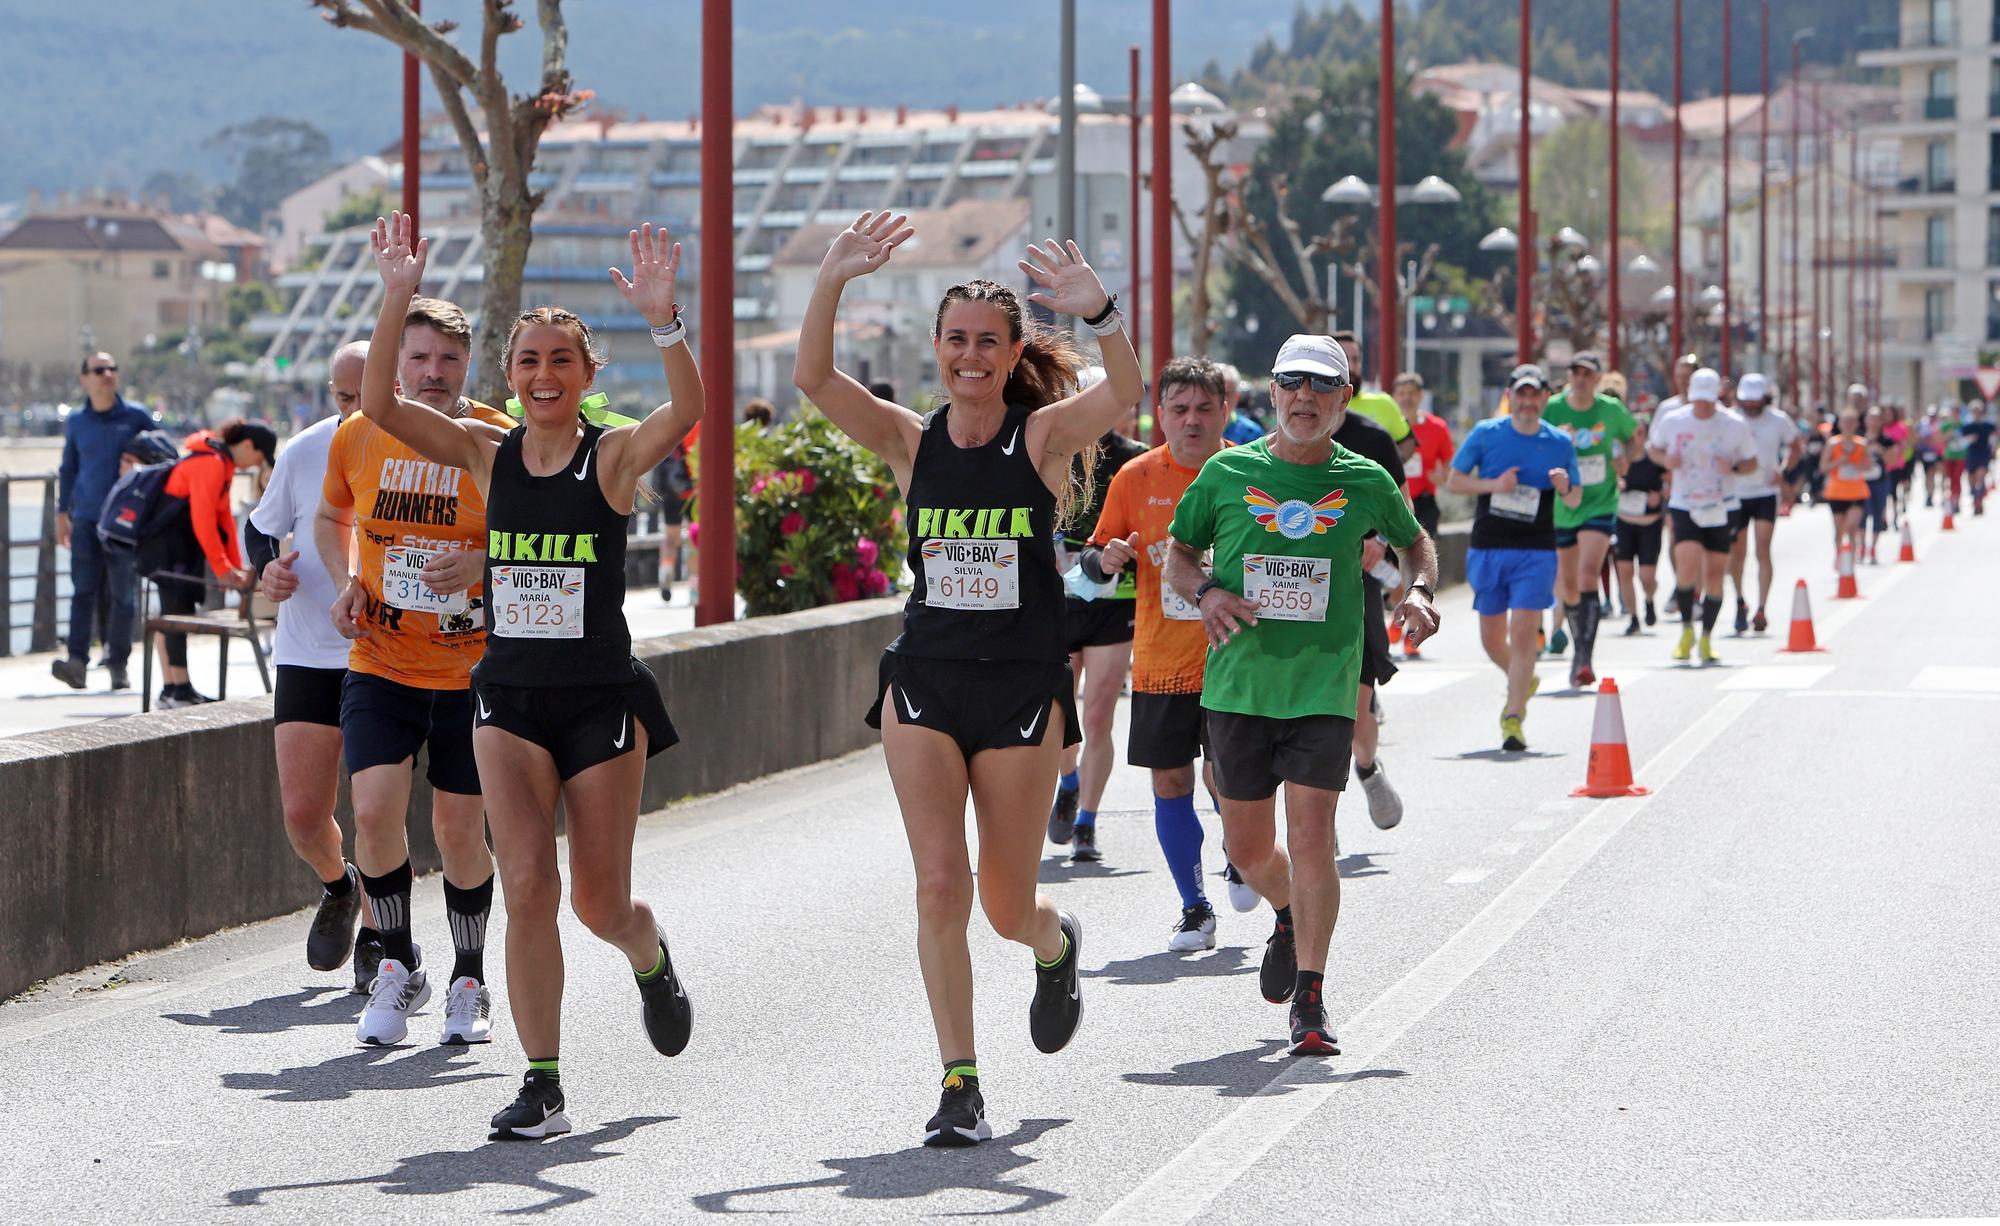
<point>455,580</point>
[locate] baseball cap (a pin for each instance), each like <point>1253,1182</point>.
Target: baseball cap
<point>1305,354</point>
<point>1587,360</point>
<point>1857,389</point>
<point>1705,384</point>
<point>1527,374</point>
<point>1753,386</point>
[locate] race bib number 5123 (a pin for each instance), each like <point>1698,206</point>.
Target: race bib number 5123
<point>1287,589</point>
<point>537,602</point>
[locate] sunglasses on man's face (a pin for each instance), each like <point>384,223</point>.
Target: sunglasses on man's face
<point>104,370</point>
<point>1320,383</point>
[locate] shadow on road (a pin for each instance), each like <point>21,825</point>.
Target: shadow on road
<point>495,1164</point>
<point>1088,870</point>
<point>1241,1074</point>
<point>1164,967</point>
<point>324,1006</point>
<point>1362,864</point>
<point>908,1174</point>
<point>368,1069</point>
<point>1500,755</point>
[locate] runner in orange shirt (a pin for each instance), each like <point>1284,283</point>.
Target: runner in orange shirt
<point>1169,645</point>
<point>414,610</point>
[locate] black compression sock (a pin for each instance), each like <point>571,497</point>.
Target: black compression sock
<point>1366,772</point>
<point>339,887</point>
<point>466,911</point>
<point>1711,608</point>
<point>1284,916</point>
<point>389,906</point>
<point>1589,613</point>
<point>367,935</point>
<point>1684,601</point>
<point>1308,994</point>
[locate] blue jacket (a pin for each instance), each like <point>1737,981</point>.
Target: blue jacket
<point>92,442</point>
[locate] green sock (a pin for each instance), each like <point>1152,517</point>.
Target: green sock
<point>1049,966</point>
<point>545,1066</point>
<point>961,1068</point>
<point>659,968</point>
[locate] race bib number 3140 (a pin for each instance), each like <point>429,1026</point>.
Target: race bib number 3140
<point>972,574</point>
<point>537,602</point>
<point>403,585</point>
<point>1287,589</point>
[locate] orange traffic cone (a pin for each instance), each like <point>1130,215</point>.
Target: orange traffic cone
<point>1949,507</point>
<point>1847,589</point>
<point>1610,760</point>
<point>1909,550</point>
<point>1395,633</point>
<point>1802,627</point>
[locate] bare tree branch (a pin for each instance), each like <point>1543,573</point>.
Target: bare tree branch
<point>393,20</point>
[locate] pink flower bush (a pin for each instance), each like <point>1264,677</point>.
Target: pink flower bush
<point>792,524</point>
<point>866,551</point>
<point>874,582</point>
<point>786,570</point>
<point>807,481</point>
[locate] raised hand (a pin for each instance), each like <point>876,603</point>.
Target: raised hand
<point>865,246</point>
<point>399,254</point>
<point>280,580</point>
<point>1069,286</point>
<point>656,265</point>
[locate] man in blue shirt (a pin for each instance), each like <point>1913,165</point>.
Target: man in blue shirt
<point>93,438</point>
<point>1518,465</point>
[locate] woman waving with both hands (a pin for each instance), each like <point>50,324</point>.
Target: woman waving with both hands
<point>975,698</point>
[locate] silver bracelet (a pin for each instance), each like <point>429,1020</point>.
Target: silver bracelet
<point>671,335</point>
<point>1114,322</point>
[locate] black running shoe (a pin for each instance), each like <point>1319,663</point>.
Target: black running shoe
<point>1058,1004</point>
<point>331,938</point>
<point>961,1114</point>
<point>668,1013</point>
<point>1086,845</point>
<point>1742,617</point>
<point>1280,973</point>
<point>1311,1036</point>
<point>1633,628</point>
<point>367,960</point>
<point>1651,616</point>
<point>1062,818</point>
<point>536,1113</point>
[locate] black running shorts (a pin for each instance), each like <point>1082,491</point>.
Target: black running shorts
<point>1377,666</point>
<point>384,722</point>
<point>1764,508</point>
<point>1425,507</point>
<point>1098,623</point>
<point>980,704</point>
<point>1166,730</point>
<point>304,695</point>
<point>580,726</point>
<point>1638,542</point>
<point>1253,754</point>
<point>1714,540</point>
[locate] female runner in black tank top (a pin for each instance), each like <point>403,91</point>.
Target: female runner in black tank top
<point>975,695</point>
<point>562,709</point>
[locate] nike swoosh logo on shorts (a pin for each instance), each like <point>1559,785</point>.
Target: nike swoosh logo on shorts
<point>907,707</point>
<point>583,472</point>
<point>624,726</point>
<point>1009,448</point>
<point>483,712</point>
<point>1032,725</point>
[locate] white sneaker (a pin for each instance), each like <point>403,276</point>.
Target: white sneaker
<point>1241,895</point>
<point>1385,808</point>
<point>1195,932</point>
<point>468,1013</point>
<point>397,993</point>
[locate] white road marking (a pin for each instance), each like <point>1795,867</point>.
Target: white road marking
<point>1778,677</point>
<point>1958,678</point>
<point>1529,825</point>
<point>1182,1188</point>
<point>1426,680</point>
<point>1511,848</point>
<point>1469,876</point>
<point>1922,695</point>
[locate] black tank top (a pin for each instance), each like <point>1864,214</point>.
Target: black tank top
<point>982,548</point>
<point>555,574</point>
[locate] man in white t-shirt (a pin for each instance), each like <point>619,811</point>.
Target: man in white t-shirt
<point>1778,447</point>
<point>311,657</point>
<point>1703,446</point>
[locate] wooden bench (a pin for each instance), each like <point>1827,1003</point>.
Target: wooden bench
<point>246,618</point>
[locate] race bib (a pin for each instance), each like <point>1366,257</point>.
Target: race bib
<point>1287,589</point>
<point>1414,466</point>
<point>1172,607</point>
<point>976,575</point>
<point>1592,469</point>
<point>403,585</point>
<point>1850,472</point>
<point>537,602</point>
<point>1714,515</point>
<point>1632,502</point>
<point>1523,502</point>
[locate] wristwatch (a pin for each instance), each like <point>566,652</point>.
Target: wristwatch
<point>1425,588</point>
<point>1204,589</point>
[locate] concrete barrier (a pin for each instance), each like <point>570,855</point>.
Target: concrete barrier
<point>135,833</point>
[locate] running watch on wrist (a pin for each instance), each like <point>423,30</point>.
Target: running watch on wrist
<point>1425,588</point>
<point>1207,585</point>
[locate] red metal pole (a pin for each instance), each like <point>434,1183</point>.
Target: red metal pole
<point>715,479</point>
<point>413,135</point>
<point>1853,248</point>
<point>1764,184</point>
<point>1818,245</point>
<point>1728,155</point>
<point>1134,308</point>
<point>1163,167</point>
<point>1524,266</point>
<point>1792,330</point>
<point>1612,264</point>
<point>1680,286</point>
<point>1390,326</point>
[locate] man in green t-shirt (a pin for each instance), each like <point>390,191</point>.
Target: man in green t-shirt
<point>1284,519</point>
<point>1599,427</point>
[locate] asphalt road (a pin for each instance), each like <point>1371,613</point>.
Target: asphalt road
<point>1764,992</point>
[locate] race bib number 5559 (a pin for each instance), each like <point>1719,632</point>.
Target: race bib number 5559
<point>537,602</point>
<point>1287,589</point>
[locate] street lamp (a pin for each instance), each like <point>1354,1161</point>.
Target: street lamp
<point>1642,266</point>
<point>1568,237</point>
<point>1351,189</point>
<point>1590,266</point>
<point>1500,240</point>
<point>1432,190</point>
<point>1354,190</point>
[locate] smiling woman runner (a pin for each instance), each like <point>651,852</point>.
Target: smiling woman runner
<point>974,697</point>
<point>563,709</point>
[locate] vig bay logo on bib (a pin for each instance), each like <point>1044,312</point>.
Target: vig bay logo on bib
<point>1295,519</point>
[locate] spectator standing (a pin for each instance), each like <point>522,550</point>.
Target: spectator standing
<point>93,438</point>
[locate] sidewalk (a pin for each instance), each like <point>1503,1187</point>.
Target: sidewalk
<point>31,700</point>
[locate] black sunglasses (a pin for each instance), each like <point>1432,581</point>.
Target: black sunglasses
<point>1320,383</point>
<point>104,370</point>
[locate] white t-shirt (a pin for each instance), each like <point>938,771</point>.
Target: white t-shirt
<point>306,637</point>
<point>1706,449</point>
<point>1774,433</point>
